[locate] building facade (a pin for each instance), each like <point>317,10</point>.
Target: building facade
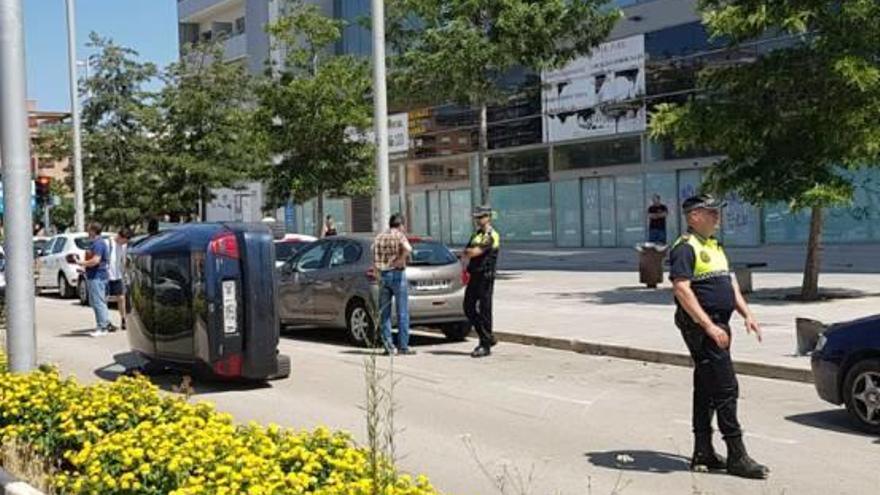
<point>570,161</point>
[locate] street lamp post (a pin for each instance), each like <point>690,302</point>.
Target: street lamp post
<point>380,111</point>
<point>15,155</point>
<point>79,202</point>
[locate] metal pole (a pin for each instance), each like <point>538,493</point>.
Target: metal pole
<point>79,202</point>
<point>15,155</point>
<point>380,112</point>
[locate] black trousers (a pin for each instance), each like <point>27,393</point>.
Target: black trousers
<point>478,306</point>
<point>716,389</point>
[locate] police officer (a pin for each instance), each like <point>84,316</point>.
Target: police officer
<point>482,256</point>
<point>706,295</point>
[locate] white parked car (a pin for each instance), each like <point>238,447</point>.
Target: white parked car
<point>57,268</point>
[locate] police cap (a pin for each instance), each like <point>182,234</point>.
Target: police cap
<point>482,211</point>
<point>702,201</point>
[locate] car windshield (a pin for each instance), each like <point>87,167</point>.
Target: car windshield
<point>431,253</point>
<point>285,250</point>
<point>83,243</point>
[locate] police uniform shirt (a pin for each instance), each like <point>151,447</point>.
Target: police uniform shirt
<point>489,242</point>
<point>703,262</point>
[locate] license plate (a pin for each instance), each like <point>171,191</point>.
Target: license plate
<point>230,307</point>
<point>431,285</point>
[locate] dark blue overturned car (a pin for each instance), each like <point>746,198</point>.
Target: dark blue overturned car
<point>846,369</point>
<point>203,297</point>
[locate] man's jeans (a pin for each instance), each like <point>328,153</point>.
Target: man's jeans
<point>98,300</point>
<point>394,285</point>
<point>657,235</point>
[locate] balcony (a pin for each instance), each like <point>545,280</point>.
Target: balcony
<point>198,10</point>
<point>235,47</point>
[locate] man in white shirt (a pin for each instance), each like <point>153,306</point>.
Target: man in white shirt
<point>116,270</point>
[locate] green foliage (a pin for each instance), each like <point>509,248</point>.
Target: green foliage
<point>313,110</point>
<point>119,147</point>
<point>53,142</point>
<point>207,134</point>
<point>160,152</point>
<point>62,214</point>
<point>455,50</point>
<point>792,122</point>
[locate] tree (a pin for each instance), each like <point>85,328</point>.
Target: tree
<point>120,149</point>
<point>792,123</point>
<point>207,133</point>
<point>61,214</point>
<point>314,108</point>
<point>455,50</point>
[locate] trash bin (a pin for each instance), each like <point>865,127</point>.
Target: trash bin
<point>651,258</point>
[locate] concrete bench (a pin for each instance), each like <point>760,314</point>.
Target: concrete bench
<point>743,274</point>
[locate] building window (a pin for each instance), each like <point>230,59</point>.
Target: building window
<point>435,172</point>
<point>519,168</point>
<point>622,151</point>
<point>239,25</point>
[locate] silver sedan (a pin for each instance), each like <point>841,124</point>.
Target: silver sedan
<point>331,283</point>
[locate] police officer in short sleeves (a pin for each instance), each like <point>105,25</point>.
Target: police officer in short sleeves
<point>706,295</point>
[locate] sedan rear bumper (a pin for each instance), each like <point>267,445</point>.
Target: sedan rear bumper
<point>826,379</point>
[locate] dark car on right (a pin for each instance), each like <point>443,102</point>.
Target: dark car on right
<point>846,369</point>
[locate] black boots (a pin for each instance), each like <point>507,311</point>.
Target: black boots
<point>740,464</point>
<point>705,458</point>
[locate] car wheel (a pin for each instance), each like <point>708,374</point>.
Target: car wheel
<point>361,329</point>
<point>456,332</point>
<point>862,394</point>
<point>82,292</point>
<point>64,288</point>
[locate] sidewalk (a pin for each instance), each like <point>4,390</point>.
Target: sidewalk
<point>590,301</point>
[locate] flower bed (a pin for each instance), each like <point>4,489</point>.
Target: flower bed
<point>127,438</point>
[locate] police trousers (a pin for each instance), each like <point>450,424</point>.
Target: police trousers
<point>478,306</point>
<point>716,389</point>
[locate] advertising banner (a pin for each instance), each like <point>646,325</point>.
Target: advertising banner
<point>597,95</point>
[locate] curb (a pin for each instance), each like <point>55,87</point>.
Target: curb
<point>748,368</point>
<point>11,486</point>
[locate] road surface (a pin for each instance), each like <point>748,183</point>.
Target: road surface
<point>544,422</point>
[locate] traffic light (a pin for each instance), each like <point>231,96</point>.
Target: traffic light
<point>42,186</point>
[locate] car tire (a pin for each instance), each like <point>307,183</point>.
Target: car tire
<point>82,292</point>
<point>360,325</point>
<point>65,290</point>
<point>456,332</point>
<point>861,393</point>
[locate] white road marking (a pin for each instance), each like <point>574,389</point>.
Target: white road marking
<point>544,395</point>
<point>784,441</point>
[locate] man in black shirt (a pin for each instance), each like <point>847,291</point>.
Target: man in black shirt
<point>706,296</point>
<point>657,214</point>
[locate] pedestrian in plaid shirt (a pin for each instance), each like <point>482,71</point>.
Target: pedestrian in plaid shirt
<point>391,251</point>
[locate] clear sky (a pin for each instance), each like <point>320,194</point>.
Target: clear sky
<point>148,26</point>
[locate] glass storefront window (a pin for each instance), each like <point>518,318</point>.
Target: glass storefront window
<point>592,227</point>
<point>630,210</point>
<point>740,223</point>
<point>859,222</point>
<point>567,208</point>
<point>523,212</point>
<point>338,207</point>
<point>607,215</point>
<point>593,154</point>
<point>418,213</point>
<point>519,168</point>
<point>437,172</point>
<point>434,214</point>
<point>460,213</point>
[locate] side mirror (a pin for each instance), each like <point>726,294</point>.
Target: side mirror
<point>40,253</point>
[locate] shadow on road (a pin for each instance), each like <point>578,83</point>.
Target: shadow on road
<point>646,461</point>
<point>86,332</point>
<point>338,337</point>
<point>836,420</point>
<point>169,379</point>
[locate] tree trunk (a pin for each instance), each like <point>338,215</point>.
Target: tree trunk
<point>481,154</point>
<point>319,214</point>
<point>810,287</point>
